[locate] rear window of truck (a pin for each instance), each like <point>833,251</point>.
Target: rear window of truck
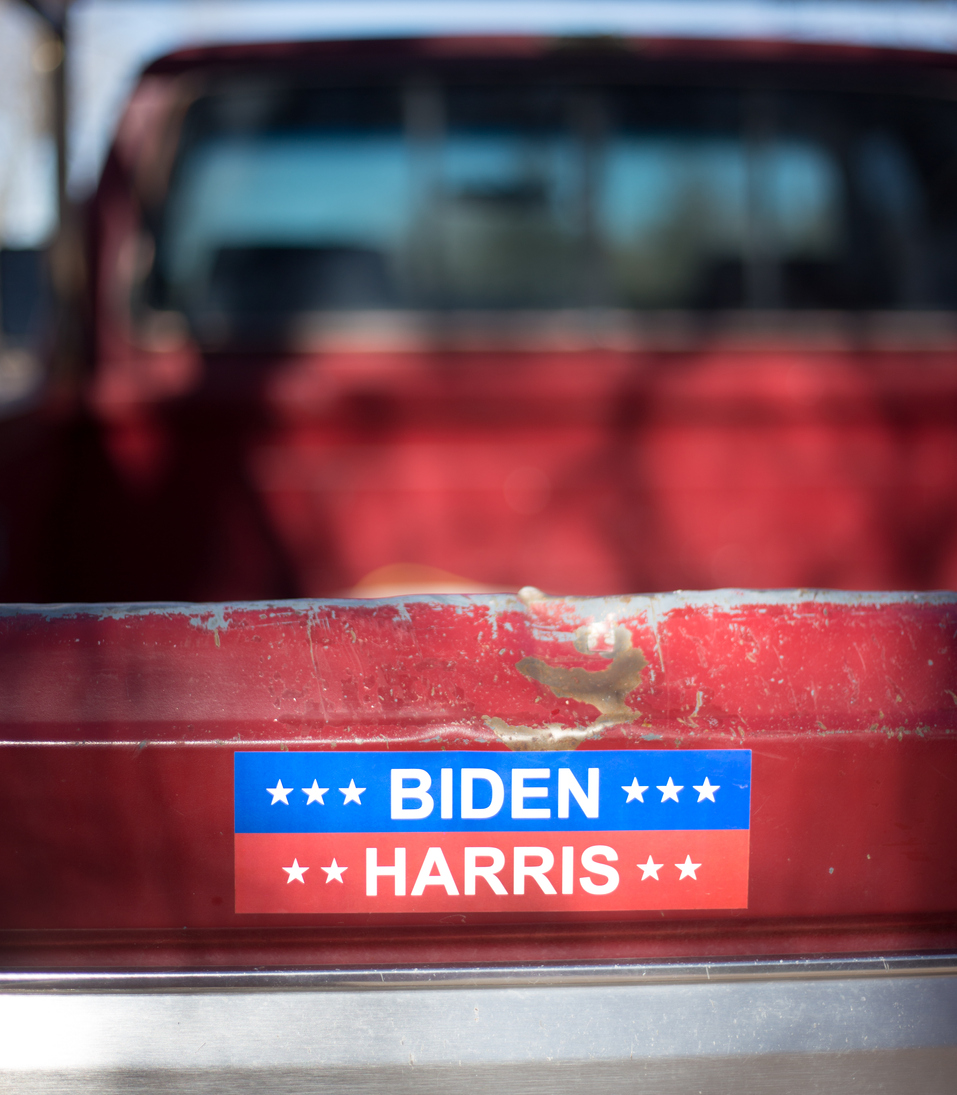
<point>288,199</point>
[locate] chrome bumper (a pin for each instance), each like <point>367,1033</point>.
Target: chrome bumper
<point>859,1025</point>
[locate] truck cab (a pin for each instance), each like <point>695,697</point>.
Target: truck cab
<point>586,315</point>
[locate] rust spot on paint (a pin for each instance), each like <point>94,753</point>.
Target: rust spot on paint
<point>604,689</point>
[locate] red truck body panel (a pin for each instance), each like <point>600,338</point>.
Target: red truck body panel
<point>120,726</point>
<point>590,471</point>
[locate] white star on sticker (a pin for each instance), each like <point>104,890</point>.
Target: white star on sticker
<point>334,873</point>
<point>669,790</point>
<point>688,869</point>
<point>315,793</point>
<point>351,793</point>
<point>635,791</point>
<point>279,793</point>
<point>295,872</point>
<point>706,789</point>
<point>650,869</point>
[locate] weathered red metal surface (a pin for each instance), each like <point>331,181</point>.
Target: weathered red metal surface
<point>119,726</point>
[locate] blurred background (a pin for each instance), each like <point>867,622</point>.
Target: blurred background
<point>320,299</point>
<point>30,54</point>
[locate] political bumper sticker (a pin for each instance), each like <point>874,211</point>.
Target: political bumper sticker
<point>381,832</point>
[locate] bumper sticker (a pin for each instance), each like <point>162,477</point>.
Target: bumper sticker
<point>439,832</point>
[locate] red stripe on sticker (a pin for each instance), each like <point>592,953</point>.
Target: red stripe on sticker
<point>348,873</point>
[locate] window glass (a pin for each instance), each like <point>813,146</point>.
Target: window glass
<point>504,222</point>
<point>428,196</point>
<point>681,214</point>
<point>314,192</point>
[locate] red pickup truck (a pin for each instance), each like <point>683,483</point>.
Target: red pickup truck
<point>482,316</point>
<point>590,316</point>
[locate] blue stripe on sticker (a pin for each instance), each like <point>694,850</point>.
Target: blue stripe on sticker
<point>435,792</point>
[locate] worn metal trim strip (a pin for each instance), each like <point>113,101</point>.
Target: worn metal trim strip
<point>544,975</point>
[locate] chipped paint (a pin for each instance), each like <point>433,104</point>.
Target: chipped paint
<point>604,689</point>
<point>339,672</point>
<point>625,606</point>
<point>551,736</point>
